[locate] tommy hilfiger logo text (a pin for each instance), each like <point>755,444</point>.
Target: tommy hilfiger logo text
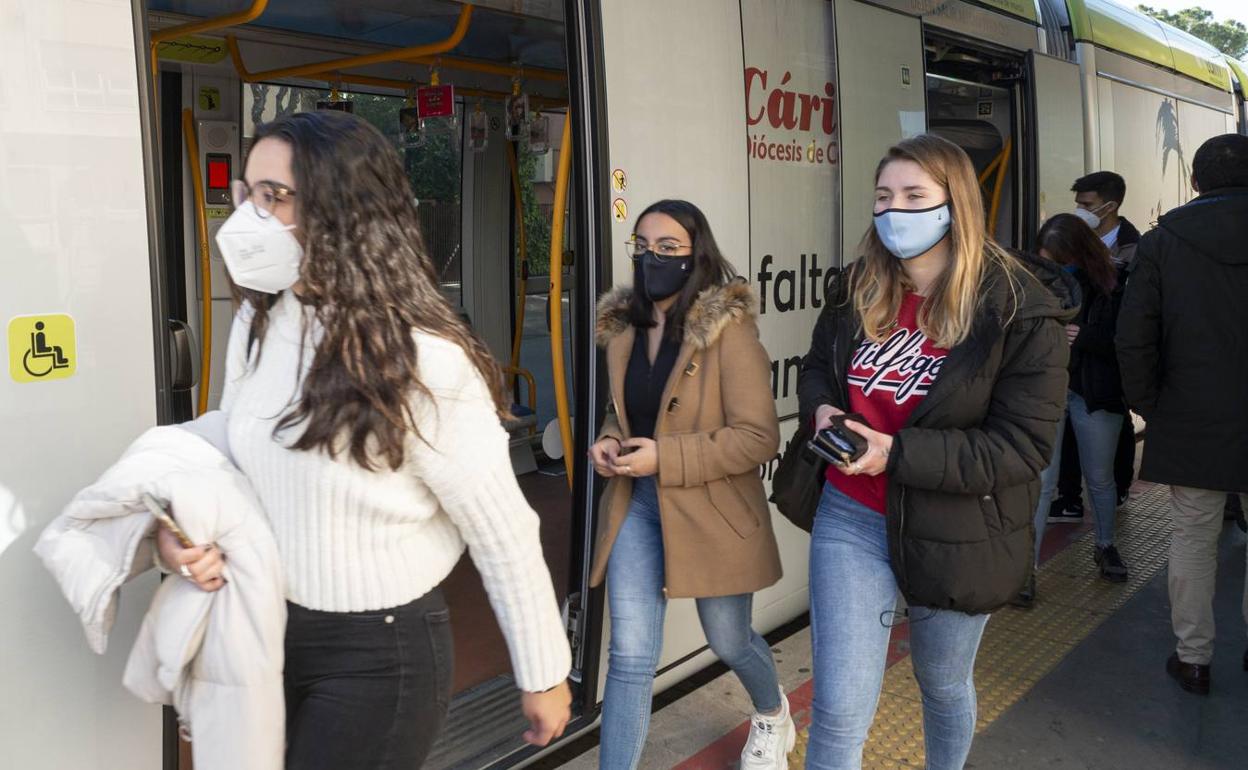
<point>897,365</point>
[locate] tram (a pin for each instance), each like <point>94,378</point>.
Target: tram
<point>533,131</point>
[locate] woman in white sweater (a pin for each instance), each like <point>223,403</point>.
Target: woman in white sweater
<point>367,416</point>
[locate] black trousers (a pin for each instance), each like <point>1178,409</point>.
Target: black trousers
<point>1070,477</point>
<point>366,690</point>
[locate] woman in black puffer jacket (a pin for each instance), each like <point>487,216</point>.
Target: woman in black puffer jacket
<point>1095,402</point>
<point>954,353</point>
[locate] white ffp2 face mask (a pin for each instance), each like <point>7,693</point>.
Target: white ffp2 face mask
<point>260,253</point>
<point>1092,217</point>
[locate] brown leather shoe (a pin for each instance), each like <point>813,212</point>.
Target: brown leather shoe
<point>1192,677</point>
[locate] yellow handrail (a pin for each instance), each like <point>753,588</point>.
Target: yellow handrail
<point>532,383</point>
<point>205,267</point>
<point>398,54</point>
<point>206,25</point>
<point>556,293</point>
<point>488,67</point>
<point>996,190</point>
<point>247,76</point>
<point>987,172</point>
<point>521,292</point>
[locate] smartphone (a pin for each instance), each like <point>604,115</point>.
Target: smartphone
<point>158,510</point>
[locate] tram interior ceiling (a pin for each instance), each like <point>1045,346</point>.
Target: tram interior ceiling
<point>459,89</point>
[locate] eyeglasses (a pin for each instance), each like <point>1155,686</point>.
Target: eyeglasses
<point>264,195</point>
<point>665,250</point>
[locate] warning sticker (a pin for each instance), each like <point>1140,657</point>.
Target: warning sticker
<point>619,180</point>
<point>209,99</point>
<point>619,209</point>
<point>42,347</point>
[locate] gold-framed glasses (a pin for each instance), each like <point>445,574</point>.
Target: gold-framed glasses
<point>263,195</point>
<point>665,249</point>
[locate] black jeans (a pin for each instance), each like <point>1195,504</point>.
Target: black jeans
<point>366,690</point>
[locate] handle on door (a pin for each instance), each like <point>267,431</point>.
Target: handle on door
<point>181,356</point>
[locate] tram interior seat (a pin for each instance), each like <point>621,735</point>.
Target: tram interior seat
<point>981,140</point>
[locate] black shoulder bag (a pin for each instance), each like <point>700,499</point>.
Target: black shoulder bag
<point>798,481</point>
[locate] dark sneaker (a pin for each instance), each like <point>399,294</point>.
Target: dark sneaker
<point>1112,568</point>
<point>1027,598</point>
<point>1122,498</point>
<point>1066,511</point>
<point>1192,677</point>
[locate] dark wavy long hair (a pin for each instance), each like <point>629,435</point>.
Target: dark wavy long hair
<point>710,268</point>
<point>370,282</point>
<point>1070,241</point>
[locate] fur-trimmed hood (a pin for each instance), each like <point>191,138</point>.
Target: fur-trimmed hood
<point>708,316</point>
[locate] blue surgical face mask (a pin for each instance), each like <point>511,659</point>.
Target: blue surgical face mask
<point>907,233</point>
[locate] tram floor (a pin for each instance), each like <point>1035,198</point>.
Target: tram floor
<point>1078,681</point>
<point>480,650</point>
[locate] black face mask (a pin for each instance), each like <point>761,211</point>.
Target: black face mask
<point>662,279</point>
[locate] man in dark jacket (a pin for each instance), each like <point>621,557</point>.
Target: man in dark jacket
<point>1183,350</point>
<point>1098,201</point>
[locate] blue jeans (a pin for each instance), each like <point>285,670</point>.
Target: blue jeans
<point>852,597</point>
<point>635,579</point>
<point>1097,436</point>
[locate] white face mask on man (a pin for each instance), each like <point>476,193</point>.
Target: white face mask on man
<point>1090,216</point>
<point>261,253</point>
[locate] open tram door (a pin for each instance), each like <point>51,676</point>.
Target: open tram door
<point>975,100</point>
<point>497,173</point>
<point>1054,157</point>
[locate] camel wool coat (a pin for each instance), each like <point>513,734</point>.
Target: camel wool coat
<point>717,425</point>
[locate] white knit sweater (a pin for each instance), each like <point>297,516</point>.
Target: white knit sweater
<point>354,540</point>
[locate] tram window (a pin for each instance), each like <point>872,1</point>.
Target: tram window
<point>434,167</point>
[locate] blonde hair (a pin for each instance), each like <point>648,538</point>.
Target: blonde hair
<point>948,311</point>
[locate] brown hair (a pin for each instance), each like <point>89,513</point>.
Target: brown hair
<point>370,282</point>
<point>947,313</point>
<point>1069,241</point>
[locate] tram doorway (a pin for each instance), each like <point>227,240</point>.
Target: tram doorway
<point>484,173</point>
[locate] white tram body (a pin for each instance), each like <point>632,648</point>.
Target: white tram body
<point>769,114</point>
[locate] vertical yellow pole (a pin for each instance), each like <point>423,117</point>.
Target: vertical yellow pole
<point>996,190</point>
<point>205,267</point>
<point>556,293</point>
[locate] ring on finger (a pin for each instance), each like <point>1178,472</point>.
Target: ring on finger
<point>185,572</point>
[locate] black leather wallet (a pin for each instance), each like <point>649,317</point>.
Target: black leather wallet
<point>838,444</point>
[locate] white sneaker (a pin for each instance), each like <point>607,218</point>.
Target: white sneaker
<point>771,740</point>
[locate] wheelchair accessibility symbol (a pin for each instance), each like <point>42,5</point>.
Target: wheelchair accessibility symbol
<point>42,348</point>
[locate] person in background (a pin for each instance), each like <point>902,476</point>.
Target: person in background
<point>366,415</point>
<point>1098,202</point>
<point>1094,404</point>
<point>684,513</point>
<point>956,356</point>
<point>1182,347</point>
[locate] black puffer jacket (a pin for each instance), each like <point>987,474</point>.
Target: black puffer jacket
<point>1093,367</point>
<point>1183,343</point>
<point>964,475</point>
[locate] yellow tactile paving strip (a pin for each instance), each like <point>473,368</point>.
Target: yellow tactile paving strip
<point>1021,646</point>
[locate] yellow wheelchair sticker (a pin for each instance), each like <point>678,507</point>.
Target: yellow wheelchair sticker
<point>42,348</point>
